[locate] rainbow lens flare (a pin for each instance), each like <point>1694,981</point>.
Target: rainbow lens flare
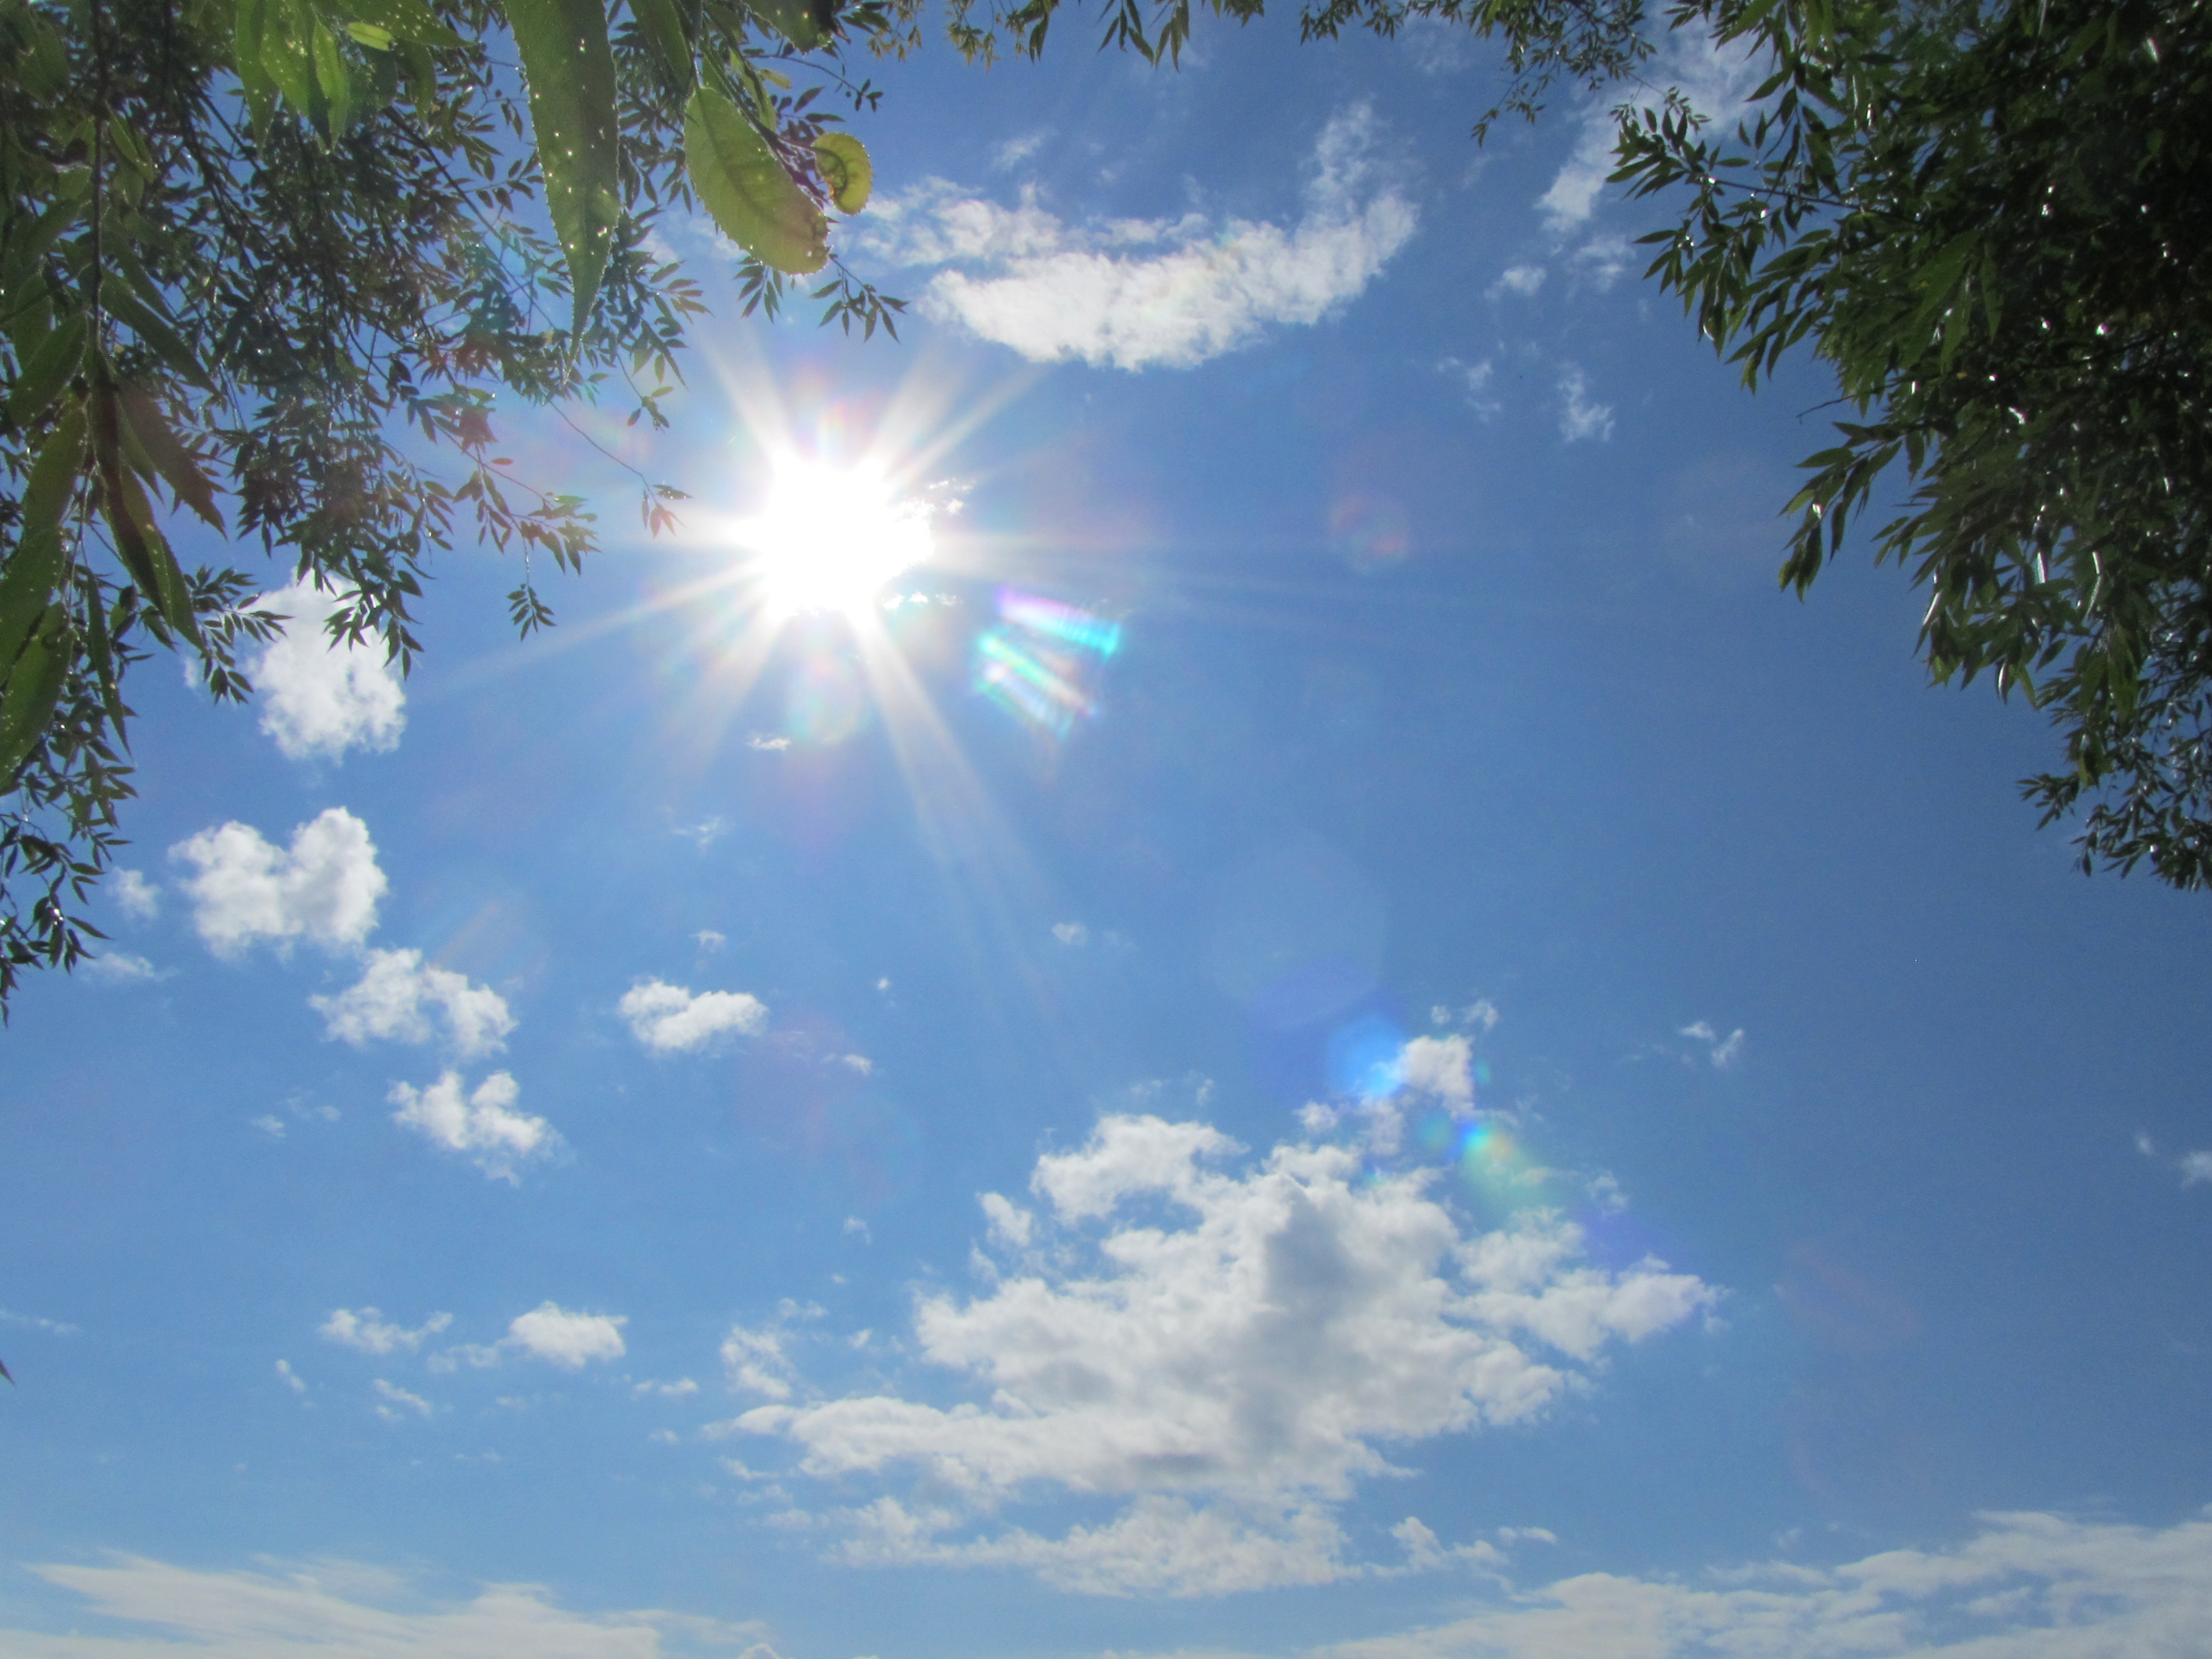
<point>1041,659</point>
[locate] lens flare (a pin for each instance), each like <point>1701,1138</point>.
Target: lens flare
<point>1040,661</point>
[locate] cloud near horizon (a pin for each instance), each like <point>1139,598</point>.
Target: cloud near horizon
<point>1137,294</point>
<point>2024,1586</point>
<point>1234,1375</point>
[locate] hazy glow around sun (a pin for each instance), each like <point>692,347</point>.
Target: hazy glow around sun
<point>830,537</point>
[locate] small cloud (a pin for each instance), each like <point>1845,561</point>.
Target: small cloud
<point>1480,1015</point>
<point>1010,1224</point>
<point>483,1125</point>
<point>856,1228</point>
<point>272,1126</point>
<point>708,939</point>
<point>706,832</point>
<point>1071,933</point>
<point>1015,151</point>
<point>32,1322</point>
<point>1523,280</point>
<point>860,1063</point>
<point>397,994</point>
<point>551,1333</point>
<point>676,1390</point>
<point>1605,1193</point>
<point>2195,1169</point>
<point>319,698</point>
<point>119,967</point>
<point>1600,262</point>
<point>369,1331</point>
<point>669,1019</point>
<point>1579,417</point>
<point>393,1403</point>
<point>1316,1119</point>
<point>884,985</point>
<point>769,745</point>
<point>1441,1066</point>
<point>139,898</point>
<point>292,1378</point>
<point>2145,1145</point>
<point>1723,1051</point>
<point>323,888</point>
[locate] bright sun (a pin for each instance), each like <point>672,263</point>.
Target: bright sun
<point>830,538</point>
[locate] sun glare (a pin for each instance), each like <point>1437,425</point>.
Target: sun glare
<point>830,539</point>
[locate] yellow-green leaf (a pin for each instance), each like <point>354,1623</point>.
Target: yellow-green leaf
<point>35,569</point>
<point>35,679</point>
<point>751,195</point>
<point>844,163</point>
<point>570,70</point>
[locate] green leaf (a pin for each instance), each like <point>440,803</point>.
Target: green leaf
<point>35,679</point>
<point>56,358</point>
<point>570,70</point>
<point>288,54</point>
<point>138,539</point>
<point>844,163</point>
<point>35,569</point>
<point>409,21</point>
<point>661,22</point>
<point>753,198</point>
<point>249,45</point>
<point>805,23</point>
<point>334,81</point>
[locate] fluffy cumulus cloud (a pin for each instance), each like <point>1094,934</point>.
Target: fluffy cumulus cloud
<point>1228,1351</point>
<point>397,995</point>
<point>552,1333</point>
<point>360,1611</point>
<point>1142,294</point>
<point>670,1019</point>
<point>319,700</point>
<point>323,888</point>
<point>483,1126</point>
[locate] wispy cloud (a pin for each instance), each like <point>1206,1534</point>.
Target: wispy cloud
<point>326,1608</point>
<point>1580,416</point>
<point>369,1331</point>
<point>1143,294</point>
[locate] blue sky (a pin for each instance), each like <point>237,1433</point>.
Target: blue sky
<point>1329,1031</point>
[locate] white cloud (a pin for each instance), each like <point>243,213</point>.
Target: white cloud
<point>1523,280</point>
<point>367,1331</point>
<point>2027,1586</point>
<point>1443,1067</point>
<point>121,967</point>
<point>1579,417</point>
<point>669,1019</point>
<point>2195,1168</point>
<point>316,1610</point>
<point>1719,83</point>
<point>1071,933</point>
<point>323,888</point>
<point>395,995</point>
<point>551,1333</point>
<point>767,746</point>
<point>1015,151</point>
<point>393,1403</point>
<point>1723,1051</point>
<point>1236,1374</point>
<point>1010,1224</point>
<point>755,1362</point>
<point>1138,294</point>
<point>483,1125</point>
<point>708,939</point>
<point>141,899</point>
<point>319,700</point>
<point>291,1378</point>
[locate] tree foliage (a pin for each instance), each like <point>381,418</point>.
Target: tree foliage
<point>275,260</point>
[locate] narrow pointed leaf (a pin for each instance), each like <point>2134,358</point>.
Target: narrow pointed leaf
<point>166,456</point>
<point>56,358</point>
<point>740,181</point>
<point>661,22</point>
<point>35,679</point>
<point>35,569</point>
<point>570,70</point>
